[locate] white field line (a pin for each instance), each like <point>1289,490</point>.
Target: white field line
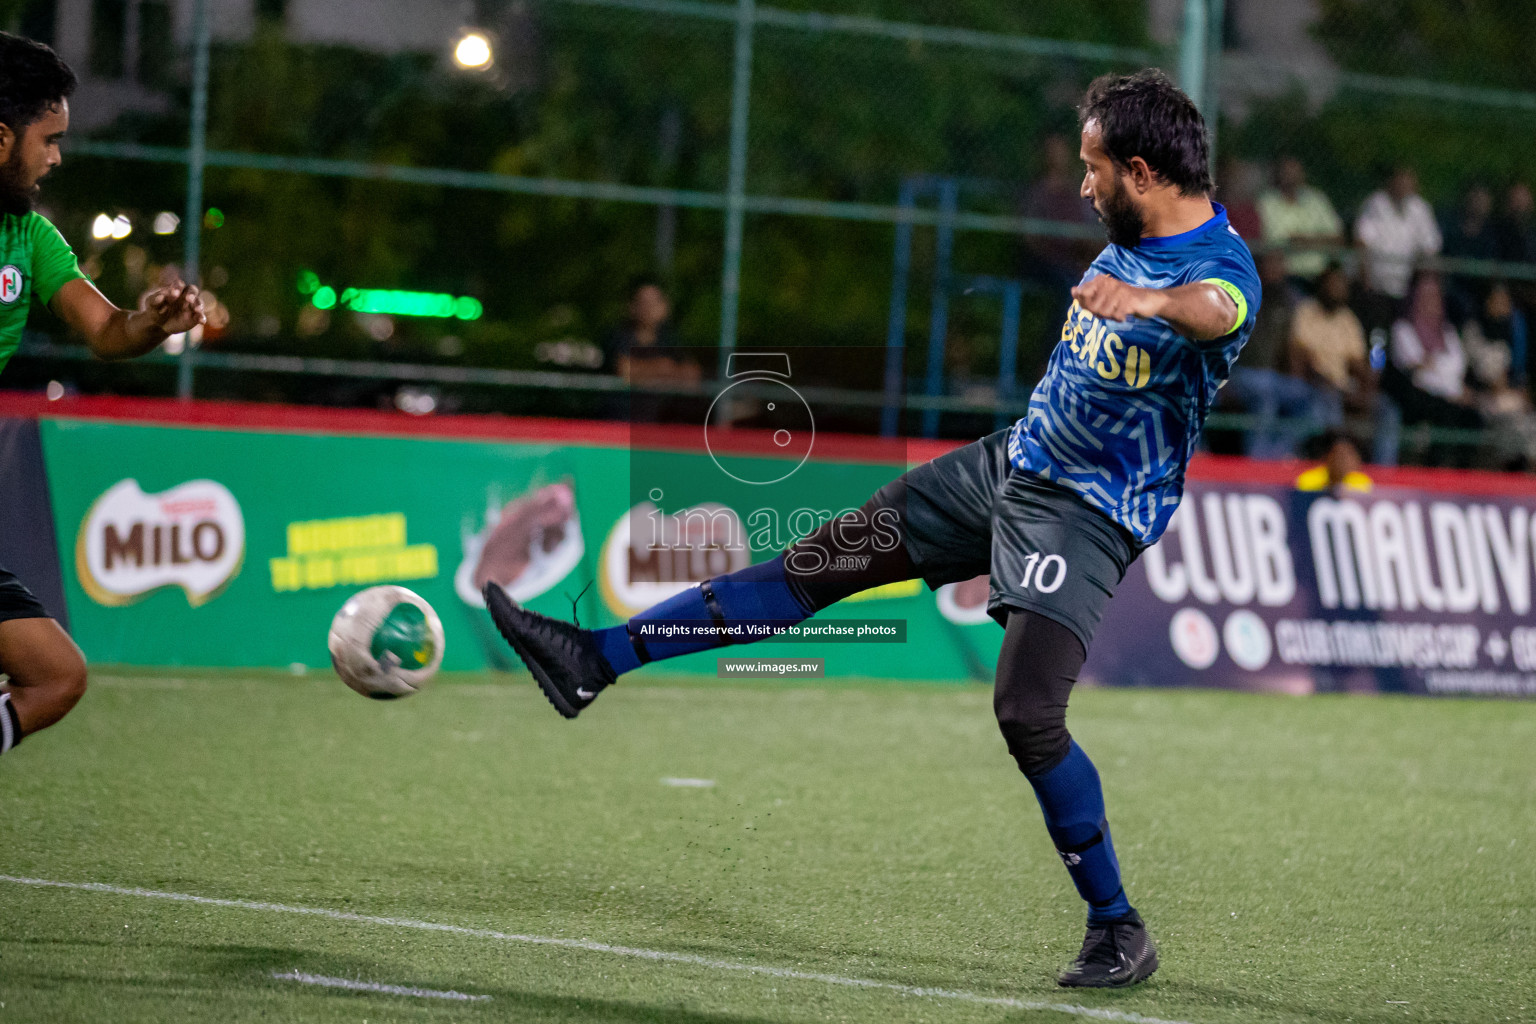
<point>688,783</point>
<point>373,986</point>
<point>1092,1013</point>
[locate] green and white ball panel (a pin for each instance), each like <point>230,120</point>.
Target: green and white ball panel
<point>386,642</point>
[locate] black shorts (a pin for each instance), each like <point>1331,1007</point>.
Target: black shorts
<point>970,512</point>
<point>16,601</point>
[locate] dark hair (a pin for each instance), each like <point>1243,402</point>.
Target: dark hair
<point>33,80</point>
<point>1323,443</point>
<point>1146,115</point>
<point>639,281</point>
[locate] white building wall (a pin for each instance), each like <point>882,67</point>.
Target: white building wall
<point>389,26</point>
<point>1269,49</point>
<point>227,19</point>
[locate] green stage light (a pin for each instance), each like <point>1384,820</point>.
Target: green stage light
<point>397,303</point>
<point>388,301</point>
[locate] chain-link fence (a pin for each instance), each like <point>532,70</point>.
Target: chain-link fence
<point>383,222</point>
<point>1392,137</point>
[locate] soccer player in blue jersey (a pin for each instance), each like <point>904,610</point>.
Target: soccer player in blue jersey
<point>1054,509</point>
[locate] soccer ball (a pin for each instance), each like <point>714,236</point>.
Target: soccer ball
<point>386,642</point>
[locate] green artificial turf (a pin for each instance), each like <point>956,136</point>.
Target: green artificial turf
<point>1320,859</point>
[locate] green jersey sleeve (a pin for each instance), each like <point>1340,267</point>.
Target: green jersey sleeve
<point>53,261</point>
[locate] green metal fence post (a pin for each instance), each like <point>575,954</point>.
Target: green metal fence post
<point>1192,46</point>
<point>1211,107</point>
<point>197,146</point>
<point>736,186</point>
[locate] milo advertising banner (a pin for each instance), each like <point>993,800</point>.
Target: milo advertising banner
<point>221,545</point>
<point>234,547</point>
<point>1265,587</point>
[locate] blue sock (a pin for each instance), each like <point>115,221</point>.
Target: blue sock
<point>758,593</point>
<point>1073,803</point>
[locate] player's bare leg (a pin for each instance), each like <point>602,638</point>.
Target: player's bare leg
<point>47,677</point>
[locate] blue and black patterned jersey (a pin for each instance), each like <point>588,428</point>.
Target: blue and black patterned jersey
<point>1118,412</point>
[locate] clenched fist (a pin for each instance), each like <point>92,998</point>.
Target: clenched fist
<point>1109,298</point>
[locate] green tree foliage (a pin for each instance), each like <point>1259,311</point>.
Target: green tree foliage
<point>1351,142</point>
<point>832,117</point>
<point>1469,42</point>
<point>1118,22</point>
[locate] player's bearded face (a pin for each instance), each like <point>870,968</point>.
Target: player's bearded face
<point>1123,219</point>
<point>17,194</point>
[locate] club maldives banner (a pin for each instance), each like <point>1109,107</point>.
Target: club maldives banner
<point>1266,587</point>
<point>202,534</point>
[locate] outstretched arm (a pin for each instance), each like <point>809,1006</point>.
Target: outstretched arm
<point>1201,311</point>
<point>114,333</point>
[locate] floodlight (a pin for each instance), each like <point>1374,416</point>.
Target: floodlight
<point>473,51</point>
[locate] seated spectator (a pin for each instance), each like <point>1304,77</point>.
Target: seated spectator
<point>1339,473</point>
<point>1469,234</point>
<point>1516,226</point>
<point>1490,358</point>
<point>1299,217</point>
<point>1260,384</point>
<point>1429,368</point>
<point>1058,263</point>
<point>1501,323</point>
<point>1516,230</point>
<point>1328,351</point>
<point>1236,181</point>
<point>1395,229</point>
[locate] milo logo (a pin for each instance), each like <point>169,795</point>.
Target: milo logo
<point>131,543</point>
<point>650,555</point>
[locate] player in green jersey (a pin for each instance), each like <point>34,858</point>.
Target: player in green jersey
<point>46,669</point>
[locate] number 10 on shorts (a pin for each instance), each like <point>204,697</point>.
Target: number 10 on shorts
<point>1047,573</point>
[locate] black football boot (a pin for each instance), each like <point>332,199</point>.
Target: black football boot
<point>563,658</point>
<point>1114,955</point>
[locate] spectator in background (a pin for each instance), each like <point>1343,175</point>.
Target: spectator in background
<point>1516,231</point>
<point>1499,322</point>
<point>643,349</point>
<point>1516,226</point>
<point>1429,368</point>
<point>1395,229</point>
<point>642,346</point>
<point>1295,215</point>
<point>1469,234</point>
<point>1490,339</point>
<point>1339,473</point>
<point>1260,384</point>
<point>1328,351</point>
<point>1236,181</point>
<point>1057,262</point>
